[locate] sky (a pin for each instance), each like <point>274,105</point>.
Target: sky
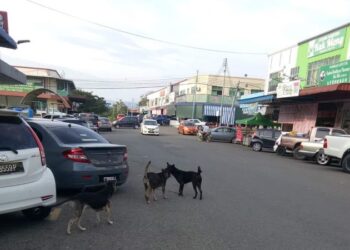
<point>95,51</point>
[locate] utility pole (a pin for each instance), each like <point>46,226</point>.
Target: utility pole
<point>194,98</point>
<point>223,90</point>
<point>233,102</point>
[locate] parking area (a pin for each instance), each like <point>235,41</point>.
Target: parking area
<point>251,200</point>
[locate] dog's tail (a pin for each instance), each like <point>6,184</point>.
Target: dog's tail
<point>199,171</point>
<point>146,169</point>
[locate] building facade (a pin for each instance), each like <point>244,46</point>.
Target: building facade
<point>207,97</point>
<point>45,91</point>
<point>313,89</point>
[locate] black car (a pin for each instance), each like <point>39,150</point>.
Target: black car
<point>264,138</point>
<point>127,122</point>
<point>75,121</point>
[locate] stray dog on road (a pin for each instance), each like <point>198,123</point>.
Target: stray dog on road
<point>98,201</point>
<point>183,177</point>
<point>152,181</point>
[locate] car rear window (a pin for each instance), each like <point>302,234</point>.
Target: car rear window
<point>150,123</point>
<point>76,135</point>
<point>15,134</point>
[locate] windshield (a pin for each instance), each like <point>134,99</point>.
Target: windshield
<point>150,123</point>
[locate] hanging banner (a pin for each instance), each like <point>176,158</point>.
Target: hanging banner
<point>288,89</point>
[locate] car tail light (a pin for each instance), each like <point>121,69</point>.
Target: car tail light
<point>125,156</point>
<point>325,143</point>
<point>77,155</point>
<point>40,146</point>
<point>46,197</point>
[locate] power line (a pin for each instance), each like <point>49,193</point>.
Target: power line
<point>145,37</point>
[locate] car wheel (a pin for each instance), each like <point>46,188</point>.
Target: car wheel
<point>281,151</point>
<point>322,159</point>
<point>346,163</point>
<point>297,154</point>
<point>257,146</point>
<point>37,213</point>
<point>110,130</point>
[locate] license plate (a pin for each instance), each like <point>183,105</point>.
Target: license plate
<point>11,167</point>
<point>109,178</point>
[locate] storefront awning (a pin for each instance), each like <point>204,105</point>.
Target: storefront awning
<point>343,87</point>
<point>6,41</point>
<point>257,97</point>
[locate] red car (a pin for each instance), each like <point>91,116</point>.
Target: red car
<point>187,128</point>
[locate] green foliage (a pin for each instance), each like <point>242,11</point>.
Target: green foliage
<point>119,107</point>
<point>143,101</point>
<point>93,103</point>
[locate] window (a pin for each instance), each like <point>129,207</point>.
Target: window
<point>15,134</point>
<point>294,73</point>
<point>216,90</point>
<point>312,74</point>
<point>76,135</point>
<point>338,132</point>
<point>322,132</point>
<point>253,91</point>
<point>267,133</point>
<point>150,123</point>
<point>232,92</point>
<point>274,79</point>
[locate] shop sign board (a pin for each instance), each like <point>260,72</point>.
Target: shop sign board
<point>288,89</point>
<point>250,108</point>
<point>329,42</point>
<point>334,74</point>
<point>19,88</point>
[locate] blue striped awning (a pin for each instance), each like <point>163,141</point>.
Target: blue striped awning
<point>6,41</point>
<point>257,97</point>
<point>214,110</point>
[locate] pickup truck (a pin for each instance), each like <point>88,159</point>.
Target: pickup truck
<point>338,147</point>
<point>292,142</point>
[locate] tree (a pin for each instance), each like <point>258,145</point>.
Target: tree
<point>143,101</point>
<point>119,107</point>
<point>92,104</point>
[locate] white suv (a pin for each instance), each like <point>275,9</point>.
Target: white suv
<point>26,184</point>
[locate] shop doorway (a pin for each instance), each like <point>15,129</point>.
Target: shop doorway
<point>326,114</point>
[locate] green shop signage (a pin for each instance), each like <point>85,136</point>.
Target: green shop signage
<point>19,88</point>
<point>332,41</point>
<point>334,74</point>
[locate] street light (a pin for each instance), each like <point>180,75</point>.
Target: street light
<point>23,41</point>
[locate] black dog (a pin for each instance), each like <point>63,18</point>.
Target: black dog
<point>152,181</point>
<point>99,200</point>
<point>183,177</point>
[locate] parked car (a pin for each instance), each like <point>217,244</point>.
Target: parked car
<point>197,122</point>
<point>26,184</point>
<point>292,142</point>
<point>264,138</point>
<point>162,119</point>
<point>79,157</point>
<point>127,122</point>
<point>91,119</point>
<point>149,126</point>
<point>187,128</point>
<point>338,147</point>
<point>104,124</point>
<point>313,150</point>
<point>223,133</point>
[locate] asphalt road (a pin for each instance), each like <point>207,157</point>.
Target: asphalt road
<point>250,201</point>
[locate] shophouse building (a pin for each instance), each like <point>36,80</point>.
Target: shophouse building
<point>45,91</point>
<point>311,82</point>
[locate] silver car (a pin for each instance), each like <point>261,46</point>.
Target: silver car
<point>104,124</point>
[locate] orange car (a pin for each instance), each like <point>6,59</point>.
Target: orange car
<point>187,128</point>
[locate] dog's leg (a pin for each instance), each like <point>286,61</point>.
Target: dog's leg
<point>195,189</point>
<point>163,191</point>
<point>181,189</point>
<point>154,194</point>
<point>98,219</point>
<point>200,189</point>
<point>70,223</point>
<point>79,219</point>
<point>148,193</point>
<point>109,213</point>
<point>75,218</point>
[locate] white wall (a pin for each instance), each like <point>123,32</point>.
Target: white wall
<point>283,60</point>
